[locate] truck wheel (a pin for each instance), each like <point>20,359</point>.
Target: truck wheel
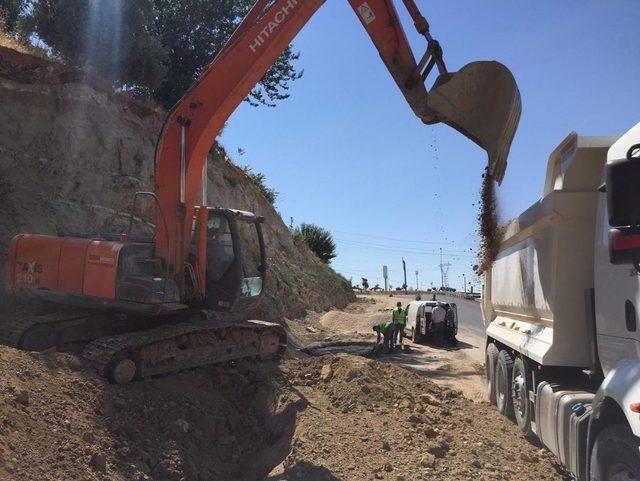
<point>490,361</point>
<point>503,384</point>
<point>615,455</point>
<point>520,386</point>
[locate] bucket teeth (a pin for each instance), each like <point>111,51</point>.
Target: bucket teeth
<point>481,101</point>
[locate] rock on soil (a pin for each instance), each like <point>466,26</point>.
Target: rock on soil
<point>286,421</point>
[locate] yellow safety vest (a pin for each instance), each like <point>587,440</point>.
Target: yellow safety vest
<point>399,316</point>
<point>384,327</point>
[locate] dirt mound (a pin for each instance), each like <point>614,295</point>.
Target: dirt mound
<point>371,420</point>
<point>329,418</point>
<point>339,321</point>
<point>60,421</point>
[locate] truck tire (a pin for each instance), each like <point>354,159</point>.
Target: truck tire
<point>490,362</point>
<point>520,387</point>
<point>615,455</point>
<point>503,384</point>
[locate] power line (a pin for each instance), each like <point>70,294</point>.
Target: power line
<point>400,240</point>
<point>375,244</point>
<point>405,250</point>
<point>374,269</point>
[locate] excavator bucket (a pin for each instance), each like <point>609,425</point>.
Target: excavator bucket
<point>481,101</point>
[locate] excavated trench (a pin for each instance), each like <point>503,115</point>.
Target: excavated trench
<point>356,348</point>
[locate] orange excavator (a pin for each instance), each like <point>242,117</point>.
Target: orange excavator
<point>198,256</point>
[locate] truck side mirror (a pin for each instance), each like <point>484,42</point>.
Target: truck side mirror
<point>623,202</point>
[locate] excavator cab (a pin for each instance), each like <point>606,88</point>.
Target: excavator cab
<point>236,260</point>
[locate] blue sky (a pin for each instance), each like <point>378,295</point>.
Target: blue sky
<point>346,153</point>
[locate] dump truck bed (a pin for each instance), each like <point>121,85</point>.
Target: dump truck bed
<point>536,297</point>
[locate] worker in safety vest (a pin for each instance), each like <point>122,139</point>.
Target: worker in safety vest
<point>438,318</point>
<point>385,333</point>
<point>399,318</point>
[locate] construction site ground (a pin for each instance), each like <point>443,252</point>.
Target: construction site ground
<point>350,330</point>
<point>417,415</point>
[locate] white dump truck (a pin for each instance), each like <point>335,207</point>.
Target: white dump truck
<point>560,308</point>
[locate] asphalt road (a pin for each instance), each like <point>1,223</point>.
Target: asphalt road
<point>469,314</point>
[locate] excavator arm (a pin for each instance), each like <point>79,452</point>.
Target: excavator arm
<point>472,104</point>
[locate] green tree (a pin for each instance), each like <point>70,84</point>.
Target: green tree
<point>194,31</point>
<point>113,39</point>
<point>365,284</point>
<point>10,11</point>
<point>319,240</point>
<point>150,47</point>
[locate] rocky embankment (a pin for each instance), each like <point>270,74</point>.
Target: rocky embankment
<point>72,153</point>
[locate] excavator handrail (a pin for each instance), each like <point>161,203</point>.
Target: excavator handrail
<point>164,223</point>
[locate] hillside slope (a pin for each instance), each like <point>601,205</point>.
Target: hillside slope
<point>72,153</point>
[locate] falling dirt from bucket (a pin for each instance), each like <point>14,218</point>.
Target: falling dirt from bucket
<point>490,232</point>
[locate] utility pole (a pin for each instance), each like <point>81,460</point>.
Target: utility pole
<point>464,278</point>
<point>404,269</point>
<point>417,283</point>
<point>385,274</point>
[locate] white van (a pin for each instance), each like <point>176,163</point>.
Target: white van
<point>419,325</point>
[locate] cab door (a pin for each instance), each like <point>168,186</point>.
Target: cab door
<point>224,261</point>
<point>412,313</point>
<point>236,260</point>
<point>424,322</point>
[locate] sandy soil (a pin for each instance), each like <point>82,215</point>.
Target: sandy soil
<point>329,418</point>
<point>460,366</point>
<point>317,418</point>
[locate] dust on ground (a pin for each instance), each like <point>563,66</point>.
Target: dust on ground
<point>350,330</point>
<point>335,417</point>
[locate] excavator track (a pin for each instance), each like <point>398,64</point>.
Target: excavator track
<point>124,348</point>
<point>61,328</point>
<point>40,332</point>
<point>185,345</point>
